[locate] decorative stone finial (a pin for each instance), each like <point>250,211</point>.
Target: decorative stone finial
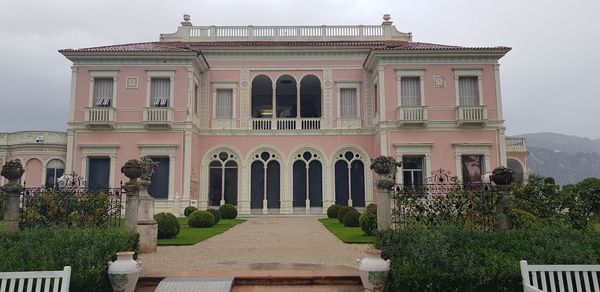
<point>386,20</point>
<point>186,17</point>
<point>186,20</point>
<point>13,170</point>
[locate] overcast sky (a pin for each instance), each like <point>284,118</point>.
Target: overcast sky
<point>548,80</point>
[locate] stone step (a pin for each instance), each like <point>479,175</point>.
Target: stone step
<point>296,288</point>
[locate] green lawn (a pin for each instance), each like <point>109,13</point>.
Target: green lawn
<point>346,234</point>
<point>188,235</point>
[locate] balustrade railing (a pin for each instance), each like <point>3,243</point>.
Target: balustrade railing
<point>515,144</point>
<point>285,124</point>
<point>412,114</point>
<point>158,115</point>
<point>100,114</point>
<point>472,113</point>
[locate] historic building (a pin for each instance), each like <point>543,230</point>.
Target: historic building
<point>279,119</point>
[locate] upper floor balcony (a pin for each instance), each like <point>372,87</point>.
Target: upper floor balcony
<point>285,123</point>
<point>100,117</point>
<point>471,115</point>
<point>413,115</point>
<point>514,144</point>
<point>158,117</point>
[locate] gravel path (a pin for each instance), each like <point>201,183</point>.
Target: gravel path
<point>264,243</point>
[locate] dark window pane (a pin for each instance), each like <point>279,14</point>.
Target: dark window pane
<point>214,186</point>
<point>99,172</point>
<point>418,176</point>
<point>357,172</point>
<point>471,168</point>
<point>50,177</point>
<point>257,187</point>
<point>215,163</point>
<point>231,164</point>
<point>315,183</point>
<point>412,162</point>
<point>262,97</point>
<point>306,156</point>
<point>159,186</point>
<point>231,191</point>
<point>223,156</point>
<point>349,155</point>
<point>299,183</point>
<point>341,183</point>
<point>265,156</point>
<point>310,97</point>
<point>273,184</point>
<point>407,178</point>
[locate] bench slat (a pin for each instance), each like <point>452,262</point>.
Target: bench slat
<point>47,286</point>
<point>11,287</point>
<point>56,282</point>
<point>552,284</point>
<point>595,281</point>
<point>543,276</point>
<point>38,284</point>
<point>561,283</point>
<point>21,284</point>
<point>21,275</point>
<point>30,285</point>
<point>578,281</point>
<point>3,284</point>
<point>586,281</point>
<point>569,282</point>
<point>571,268</point>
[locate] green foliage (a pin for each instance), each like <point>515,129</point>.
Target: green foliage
<point>371,208</point>
<point>87,251</point>
<point>351,219</point>
<point>2,202</point>
<point>202,219</point>
<point>346,234</point>
<point>191,235</point>
<point>333,210</point>
<point>188,210</point>
<point>216,214</point>
<point>343,211</point>
<point>520,219</point>
<point>168,226</point>
<point>228,211</point>
<point>451,258</point>
<point>368,223</point>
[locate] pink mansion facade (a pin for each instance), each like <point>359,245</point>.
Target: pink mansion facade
<point>283,119</point>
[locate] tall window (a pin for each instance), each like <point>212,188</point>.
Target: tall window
<point>159,186</point>
<point>349,180</point>
<point>262,97</point>
<point>224,103</point>
<point>472,168</point>
<point>98,172</point>
<point>468,91</point>
<point>160,92</point>
<point>54,169</point>
<point>222,179</point>
<point>103,92</point>
<point>410,91</point>
<point>310,97</point>
<point>412,170</point>
<point>265,181</point>
<point>308,180</point>
<point>348,103</point>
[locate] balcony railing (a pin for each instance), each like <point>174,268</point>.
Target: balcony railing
<point>516,144</point>
<point>285,124</point>
<point>100,117</point>
<point>471,115</point>
<point>416,115</point>
<point>158,117</point>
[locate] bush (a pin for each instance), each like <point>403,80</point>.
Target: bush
<point>188,210</point>
<point>215,214</point>
<point>87,251</point>
<point>449,258</point>
<point>228,211</point>
<point>368,223</point>
<point>202,219</point>
<point>168,226</point>
<point>351,219</point>
<point>371,208</point>
<point>343,211</point>
<point>520,219</point>
<point>333,210</point>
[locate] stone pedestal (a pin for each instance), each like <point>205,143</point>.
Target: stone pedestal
<point>11,212</point>
<point>384,210</point>
<point>146,225</point>
<point>131,205</point>
<point>500,208</point>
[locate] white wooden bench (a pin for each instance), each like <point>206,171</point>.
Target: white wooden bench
<point>36,281</point>
<point>550,278</point>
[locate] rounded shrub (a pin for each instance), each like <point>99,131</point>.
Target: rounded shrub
<point>351,219</point>
<point>343,211</point>
<point>371,208</point>
<point>368,223</point>
<point>188,210</point>
<point>202,219</point>
<point>168,226</point>
<point>333,210</point>
<point>216,214</point>
<point>228,211</point>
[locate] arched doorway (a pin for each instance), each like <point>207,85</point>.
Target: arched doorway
<point>265,181</point>
<point>517,170</point>
<point>262,97</point>
<point>286,91</point>
<point>222,179</point>
<point>349,179</point>
<point>310,97</point>
<point>307,180</point>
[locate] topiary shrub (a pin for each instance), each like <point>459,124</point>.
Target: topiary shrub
<point>351,219</point>
<point>371,208</point>
<point>188,210</point>
<point>202,219</point>
<point>368,223</point>
<point>520,219</point>
<point>168,226</point>
<point>216,214</point>
<point>228,211</point>
<point>343,211</point>
<point>332,211</point>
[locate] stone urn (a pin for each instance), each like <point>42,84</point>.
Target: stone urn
<point>502,176</point>
<point>373,270</point>
<point>124,272</point>
<point>12,170</point>
<point>133,169</point>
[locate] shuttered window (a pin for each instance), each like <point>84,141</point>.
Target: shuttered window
<point>103,92</point>
<point>468,91</point>
<point>410,90</point>
<point>348,103</point>
<point>160,92</point>
<point>224,103</point>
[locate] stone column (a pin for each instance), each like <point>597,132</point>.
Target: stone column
<point>386,167</point>
<point>502,206</point>
<point>384,210</point>
<point>12,170</point>
<point>132,203</point>
<point>146,225</point>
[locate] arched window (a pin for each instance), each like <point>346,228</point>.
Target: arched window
<point>349,180</point>
<point>286,106</point>
<point>54,169</point>
<point>308,180</point>
<point>310,97</point>
<point>264,181</point>
<point>262,97</point>
<point>222,179</point>
<point>517,170</point>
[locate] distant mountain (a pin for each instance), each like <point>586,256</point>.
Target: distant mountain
<point>568,159</point>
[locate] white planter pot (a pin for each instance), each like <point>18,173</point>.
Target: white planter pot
<point>373,270</point>
<point>124,272</point>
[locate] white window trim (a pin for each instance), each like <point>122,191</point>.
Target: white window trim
<point>159,74</point>
<point>422,149</point>
<point>224,85</point>
<point>169,150</point>
<point>472,149</point>
<point>103,74</point>
<point>99,150</point>
<point>348,85</point>
<point>410,73</point>
<point>469,73</point>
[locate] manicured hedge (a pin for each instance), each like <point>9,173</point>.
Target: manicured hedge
<point>87,251</point>
<point>351,219</point>
<point>188,210</point>
<point>368,223</point>
<point>449,258</point>
<point>201,219</point>
<point>332,211</point>
<point>343,211</point>
<point>168,226</point>
<point>228,211</point>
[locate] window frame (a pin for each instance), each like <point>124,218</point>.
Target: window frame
<point>163,150</point>
<point>348,85</point>
<point>412,73</point>
<point>96,74</point>
<point>159,75</point>
<point>414,149</point>
<point>478,73</point>
<point>413,170</point>
<point>483,149</point>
